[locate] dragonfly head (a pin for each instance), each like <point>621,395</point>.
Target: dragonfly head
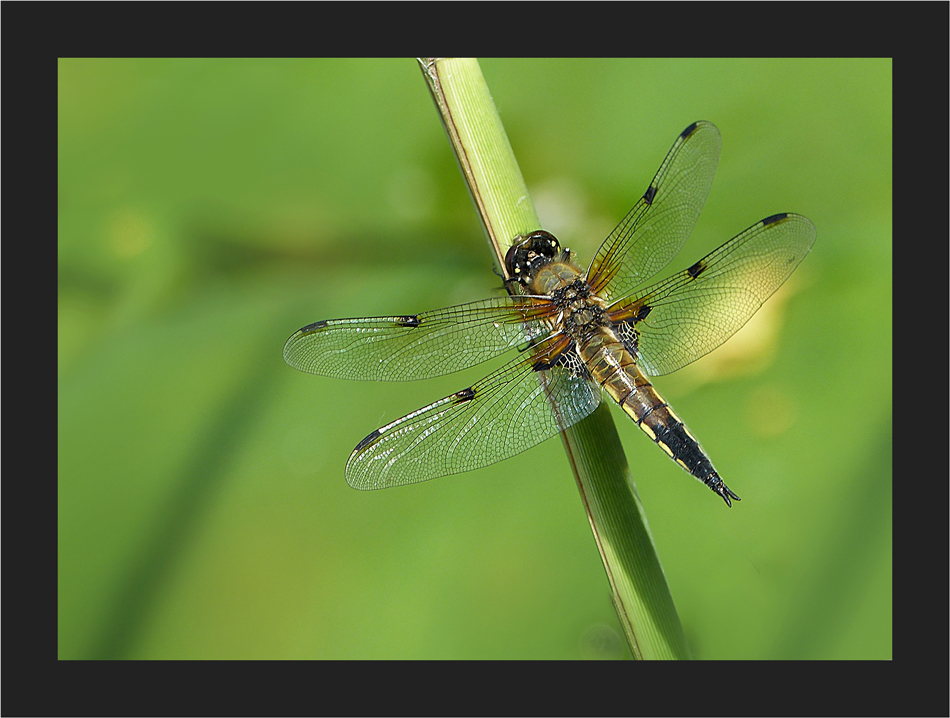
<point>529,253</point>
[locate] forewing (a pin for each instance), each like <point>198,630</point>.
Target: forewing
<point>654,231</point>
<point>686,316</point>
<point>502,415</point>
<point>417,346</point>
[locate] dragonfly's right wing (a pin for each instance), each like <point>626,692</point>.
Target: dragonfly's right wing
<point>681,318</point>
<point>657,227</point>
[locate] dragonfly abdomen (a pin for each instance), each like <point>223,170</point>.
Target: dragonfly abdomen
<point>658,421</point>
<point>617,372</point>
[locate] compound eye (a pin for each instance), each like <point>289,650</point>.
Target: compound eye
<point>544,243</point>
<point>530,252</point>
<point>513,259</point>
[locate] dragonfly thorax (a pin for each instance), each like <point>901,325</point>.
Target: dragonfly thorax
<point>581,312</point>
<point>544,270</point>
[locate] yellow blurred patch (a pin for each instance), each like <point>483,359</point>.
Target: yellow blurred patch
<point>128,234</point>
<point>751,349</point>
<point>769,412</point>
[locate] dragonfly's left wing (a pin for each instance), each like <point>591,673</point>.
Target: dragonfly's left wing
<point>418,346</point>
<point>678,320</point>
<point>504,414</point>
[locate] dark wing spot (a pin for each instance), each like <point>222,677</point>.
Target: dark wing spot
<point>410,321</point>
<point>649,194</point>
<point>461,397</point>
<point>367,441</point>
<point>642,313</point>
<point>316,326</point>
<point>542,365</point>
<point>774,218</point>
<point>689,130</point>
<point>696,269</point>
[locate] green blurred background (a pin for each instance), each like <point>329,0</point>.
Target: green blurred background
<point>208,208</point>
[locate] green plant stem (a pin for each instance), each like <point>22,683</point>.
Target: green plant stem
<point>640,593</point>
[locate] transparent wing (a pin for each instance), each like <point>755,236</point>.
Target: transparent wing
<point>654,231</point>
<point>417,346</point>
<point>502,415</point>
<point>686,316</point>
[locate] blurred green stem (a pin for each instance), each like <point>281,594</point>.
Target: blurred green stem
<point>640,593</point>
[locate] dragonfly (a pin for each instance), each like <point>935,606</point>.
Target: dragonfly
<point>574,335</point>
